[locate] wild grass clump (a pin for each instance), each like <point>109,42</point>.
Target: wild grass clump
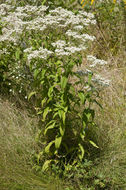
<point>17,146</point>
<point>112,124</point>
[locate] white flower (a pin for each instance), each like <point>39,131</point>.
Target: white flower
<point>101,81</point>
<point>73,49</point>
<point>96,61</point>
<point>88,37</point>
<point>78,27</point>
<point>41,53</point>
<point>28,50</point>
<point>61,52</point>
<point>59,44</point>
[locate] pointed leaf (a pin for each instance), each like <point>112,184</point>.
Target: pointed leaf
<point>89,78</point>
<point>47,148</point>
<point>43,101</point>
<point>17,54</point>
<point>82,151</point>
<point>58,141</point>
<point>62,130</point>
<point>93,144</point>
<point>64,117</point>
<point>63,82</point>
<point>43,73</point>
<point>81,96</point>
<point>50,91</point>
<point>49,127</point>
<point>46,111</point>
<point>31,94</point>
<point>36,72</point>
<point>46,165</point>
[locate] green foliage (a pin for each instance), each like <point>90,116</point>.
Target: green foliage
<point>62,103</point>
<point>66,112</point>
<point>81,176</point>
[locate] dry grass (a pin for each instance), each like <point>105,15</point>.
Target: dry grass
<point>17,145</point>
<point>112,124</point>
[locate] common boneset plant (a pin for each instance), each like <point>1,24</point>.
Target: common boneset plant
<point>48,44</point>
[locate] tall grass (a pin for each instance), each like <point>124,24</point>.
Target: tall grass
<point>17,144</point>
<point>112,123</point>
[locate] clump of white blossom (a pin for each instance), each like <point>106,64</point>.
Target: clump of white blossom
<point>41,53</point>
<point>25,26</point>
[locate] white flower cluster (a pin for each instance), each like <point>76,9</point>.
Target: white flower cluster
<point>78,27</point>
<point>42,53</point>
<point>59,44</point>
<point>84,73</point>
<point>95,61</point>
<point>97,79</point>
<point>101,81</point>
<point>35,18</point>
<point>14,22</point>
<point>12,29</point>
<point>32,10</point>
<point>66,49</point>
<point>4,9</point>
<point>4,51</point>
<point>95,64</point>
<point>34,21</point>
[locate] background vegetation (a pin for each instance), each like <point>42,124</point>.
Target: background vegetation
<point>99,162</point>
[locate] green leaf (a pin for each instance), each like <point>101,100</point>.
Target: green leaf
<point>89,78</point>
<point>55,115</point>
<point>17,54</point>
<point>72,89</point>
<point>46,165</point>
<point>88,115</point>
<point>43,73</point>
<point>50,122</point>
<point>60,112</point>
<point>36,72</point>
<point>46,111</point>
<point>64,117</point>
<point>49,127</point>
<point>81,96</point>
<point>43,101</point>
<point>58,141</point>
<point>79,115</point>
<point>37,137</point>
<point>82,135</point>
<point>50,91</point>
<point>82,151</point>
<point>93,144</point>
<point>84,124</point>
<point>47,148</point>
<point>31,94</point>
<point>39,156</point>
<point>63,82</point>
<point>62,130</point>
<point>66,109</point>
<point>39,113</point>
